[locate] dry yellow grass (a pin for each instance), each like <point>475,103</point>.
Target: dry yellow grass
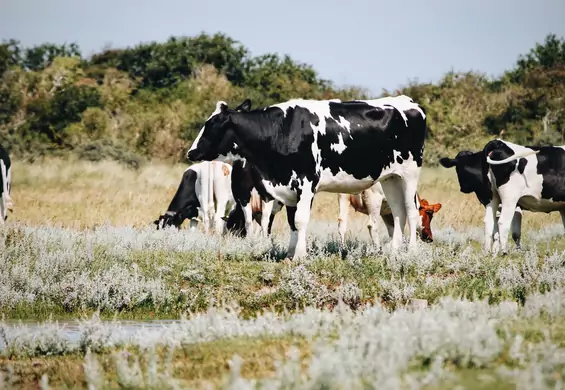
<point>80,194</point>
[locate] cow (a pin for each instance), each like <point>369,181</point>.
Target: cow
<point>252,201</point>
<point>473,176</point>
<point>373,203</point>
<point>531,177</point>
<point>200,185</point>
<point>5,184</point>
<point>262,212</point>
<point>302,147</point>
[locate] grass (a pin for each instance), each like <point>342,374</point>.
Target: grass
<point>81,243</point>
<point>80,195</point>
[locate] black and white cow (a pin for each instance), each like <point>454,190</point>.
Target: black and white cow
<point>253,203</point>
<point>512,178</point>
<point>302,147</point>
<point>532,177</point>
<point>5,184</point>
<point>200,186</point>
<point>472,175</point>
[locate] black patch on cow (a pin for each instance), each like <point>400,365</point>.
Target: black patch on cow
<point>5,157</point>
<point>290,214</point>
<point>184,203</point>
<point>522,165</point>
<point>471,172</point>
<point>551,165</point>
<point>498,150</point>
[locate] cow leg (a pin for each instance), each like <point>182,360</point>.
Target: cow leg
<point>276,208</point>
<point>3,208</point>
<point>221,206</point>
<point>516,226</point>
<point>248,214</point>
<point>410,187</point>
<point>506,215</point>
<point>490,222</point>
<point>343,201</point>
<point>271,219</point>
<point>291,215</point>
<point>266,216</point>
<point>302,217</point>
<point>389,223</point>
<point>394,194</point>
<point>193,225</point>
<point>373,202</point>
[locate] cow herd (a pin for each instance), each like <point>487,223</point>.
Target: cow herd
<point>249,163</point>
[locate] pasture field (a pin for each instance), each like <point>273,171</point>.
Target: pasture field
<point>81,245</point>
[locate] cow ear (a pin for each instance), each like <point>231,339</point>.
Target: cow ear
<point>245,106</point>
<point>221,106</point>
<point>436,207</point>
<point>225,219</point>
<point>448,162</point>
<point>423,202</point>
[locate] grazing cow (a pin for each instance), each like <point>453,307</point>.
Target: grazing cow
<point>252,201</point>
<point>262,212</point>
<point>302,147</point>
<point>5,184</point>
<point>380,206</point>
<point>201,184</point>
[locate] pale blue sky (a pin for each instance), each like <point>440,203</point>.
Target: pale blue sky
<point>372,43</point>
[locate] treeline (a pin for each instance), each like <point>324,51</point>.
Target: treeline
<point>149,101</point>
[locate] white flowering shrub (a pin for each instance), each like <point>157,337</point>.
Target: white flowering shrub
<point>168,271</point>
<point>366,348</point>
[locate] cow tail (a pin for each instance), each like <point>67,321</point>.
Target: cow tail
<point>211,186</point>
<point>5,195</point>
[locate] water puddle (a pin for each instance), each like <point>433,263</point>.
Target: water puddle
<point>71,330</point>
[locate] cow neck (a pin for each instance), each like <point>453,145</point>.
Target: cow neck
<point>254,142</point>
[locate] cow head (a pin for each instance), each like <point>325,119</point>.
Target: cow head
<point>216,138</point>
<point>471,173</point>
<point>235,222</point>
<point>171,218</point>
<point>427,212</point>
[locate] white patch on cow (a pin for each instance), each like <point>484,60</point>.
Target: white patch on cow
<point>212,184</point>
<point>402,103</point>
<point>216,112</point>
<point>342,182</point>
<point>340,146</point>
<point>281,193</point>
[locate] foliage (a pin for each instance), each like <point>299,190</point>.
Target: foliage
<point>152,98</point>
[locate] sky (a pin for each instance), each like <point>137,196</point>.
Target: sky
<point>370,43</point>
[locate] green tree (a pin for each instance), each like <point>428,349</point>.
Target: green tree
<point>41,56</point>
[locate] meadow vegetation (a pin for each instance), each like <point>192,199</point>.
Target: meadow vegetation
<point>97,146</point>
<point>80,244</point>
